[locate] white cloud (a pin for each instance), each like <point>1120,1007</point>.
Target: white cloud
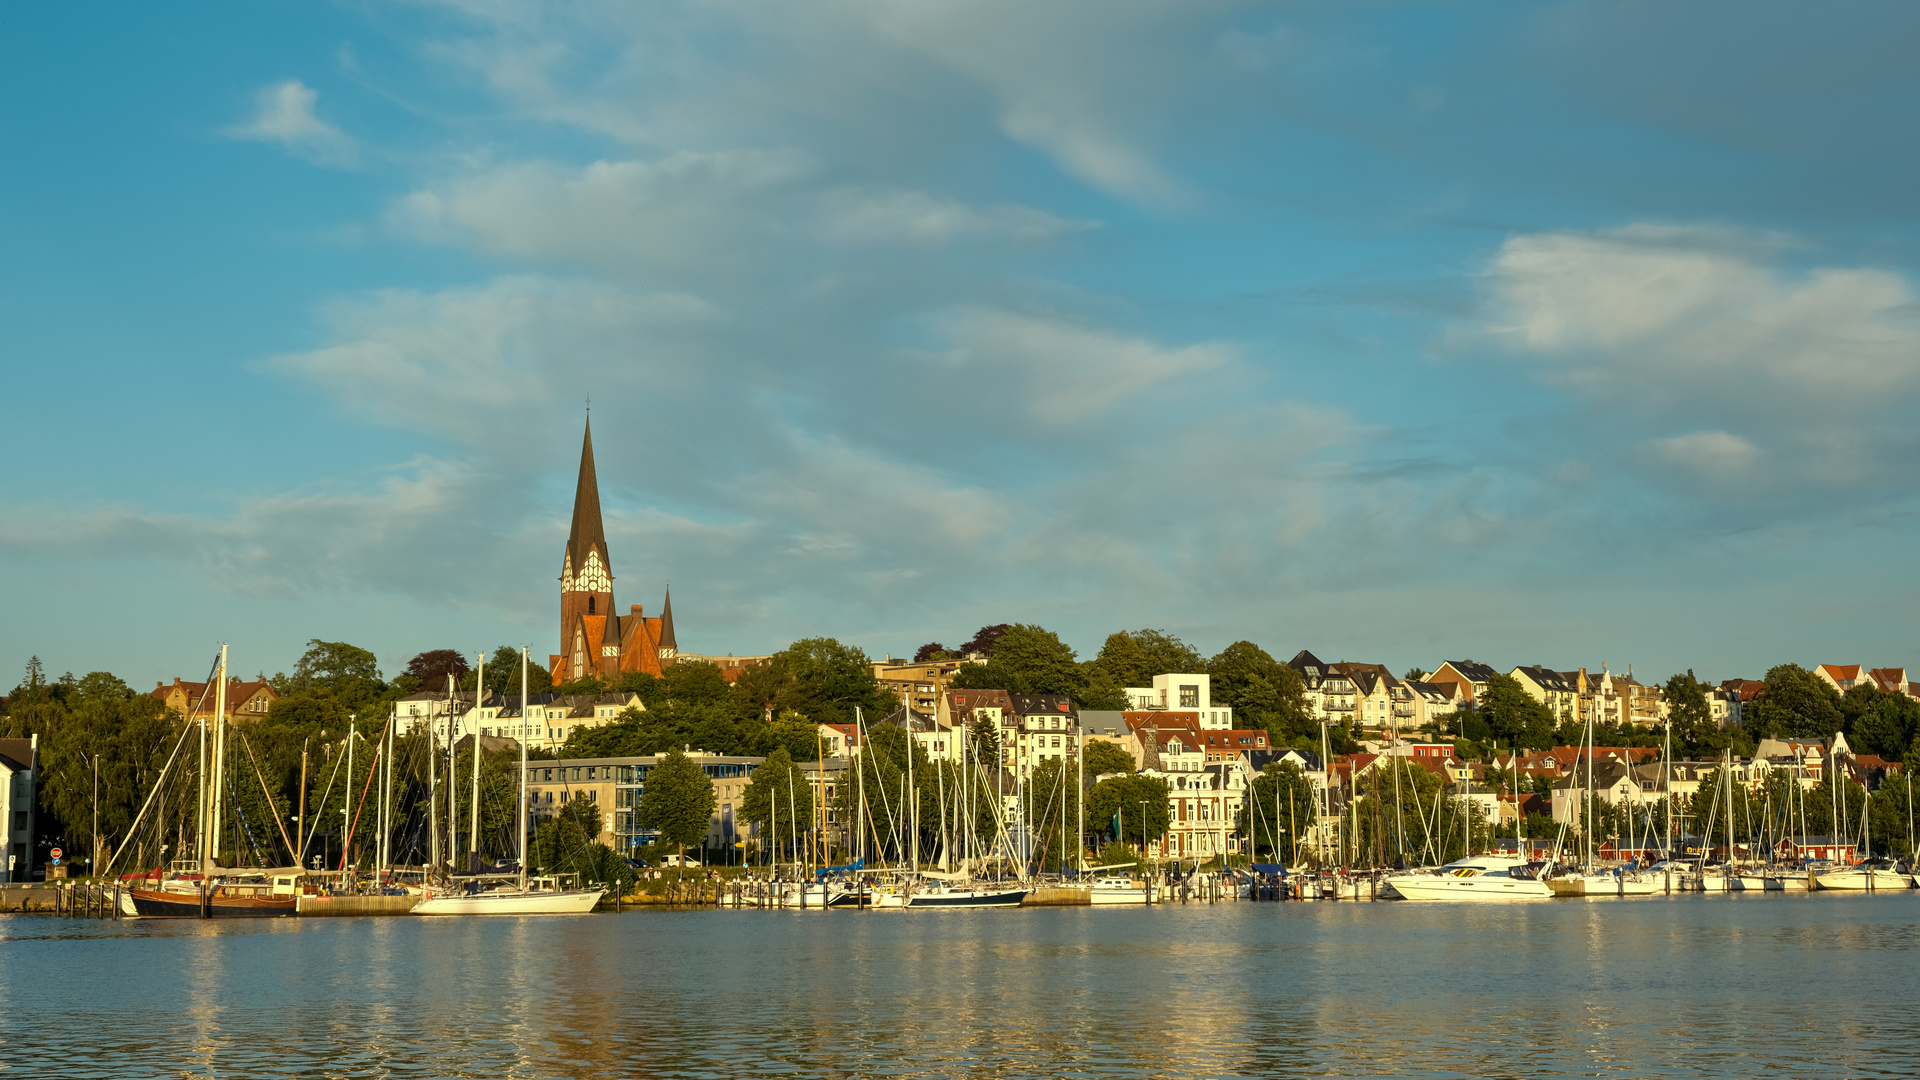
<point>1064,372</point>
<point>283,113</point>
<point>915,217</point>
<point>1715,455</point>
<point>472,360</point>
<point>1814,370</point>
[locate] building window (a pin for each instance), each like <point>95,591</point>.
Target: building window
<point>1189,697</point>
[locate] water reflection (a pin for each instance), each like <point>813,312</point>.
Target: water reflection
<point>1675,987</point>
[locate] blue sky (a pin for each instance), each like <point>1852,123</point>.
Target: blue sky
<point>1532,333</point>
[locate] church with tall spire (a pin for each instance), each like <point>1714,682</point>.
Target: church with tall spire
<point>594,638</point>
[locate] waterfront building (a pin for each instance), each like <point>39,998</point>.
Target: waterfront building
<point>1040,726</point>
<point>1329,694</point>
<point>615,785</point>
<point>18,760</point>
<point>919,685</point>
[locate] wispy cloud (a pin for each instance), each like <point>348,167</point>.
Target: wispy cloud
<point>284,114</point>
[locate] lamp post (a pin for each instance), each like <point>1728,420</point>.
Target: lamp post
<point>94,860</point>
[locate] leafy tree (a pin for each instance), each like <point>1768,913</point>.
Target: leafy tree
<point>503,673</point>
<point>1512,715</point>
<point>1794,704</point>
<point>1119,855</point>
<point>1887,727</point>
<point>1415,674</point>
<point>1281,809</point>
<point>435,666</point>
<point>569,843</point>
<point>778,797</point>
<point>1124,796</point>
<point>1133,658</point>
<point>984,640</point>
<point>797,735</point>
<point>1026,660</point>
<point>1262,692</point>
<point>677,801</point>
<point>819,678</point>
<point>1691,718</point>
<point>932,650</point>
<point>1054,803</point>
<point>1105,757</point>
<point>697,682</point>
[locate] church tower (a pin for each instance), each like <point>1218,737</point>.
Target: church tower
<point>594,640</point>
<point>586,584</point>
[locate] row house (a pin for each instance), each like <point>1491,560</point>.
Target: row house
<point>1469,677</point>
<point>1550,688</point>
<point>1330,694</point>
<point>1723,706</point>
<point>1844,677</point>
<point>549,721</point>
<point>1203,812</point>
<point>1181,693</point>
<point>1038,727</point>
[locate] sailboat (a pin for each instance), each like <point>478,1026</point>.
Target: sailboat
<point>204,890</point>
<point>519,895</point>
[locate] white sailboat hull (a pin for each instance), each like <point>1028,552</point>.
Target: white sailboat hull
<point>514,902</point>
<point>1484,887</point>
<point>1115,897</point>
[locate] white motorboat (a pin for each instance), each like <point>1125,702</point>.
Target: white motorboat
<point>1108,891</point>
<point>1476,878</point>
<point>1859,878</point>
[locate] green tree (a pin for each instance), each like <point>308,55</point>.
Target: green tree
<point>1133,658</point>
<point>1282,806</point>
<point>1794,704</point>
<point>1128,797</point>
<point>778,799</point>
<point>796,734</point>
<point>1887,727</point>
<point>1262,692</point>
<point>1690,717</point>
<point>1513,716</point>
<point>677,801</point>
<point>1415,674</point>
<point>819,678</point>
<point>1026,660</point>
<point>1105,757</point>
<point>1054,810</point>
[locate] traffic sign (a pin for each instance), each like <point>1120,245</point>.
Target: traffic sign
<point>56,854</point>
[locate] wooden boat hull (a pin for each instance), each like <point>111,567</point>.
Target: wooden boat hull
<point>164,904</point>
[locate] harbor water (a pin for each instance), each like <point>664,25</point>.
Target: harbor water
<point>1786,985</point>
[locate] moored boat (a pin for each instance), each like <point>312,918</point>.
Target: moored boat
<point>1476,878</point>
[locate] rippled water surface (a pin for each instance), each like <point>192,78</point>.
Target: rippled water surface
<point>1695,986</point>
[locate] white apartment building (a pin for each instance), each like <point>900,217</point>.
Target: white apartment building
<point>1183,692</point>
<point>18,758</point>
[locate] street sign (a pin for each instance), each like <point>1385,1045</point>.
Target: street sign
<point>57,853</point>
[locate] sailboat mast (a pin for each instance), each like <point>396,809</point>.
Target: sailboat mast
<point>912,794</point>
<point>433,782</point>
<point>219,752</point>
<point>520,819</point>
<point>473,808</point>
<point>200,813</point>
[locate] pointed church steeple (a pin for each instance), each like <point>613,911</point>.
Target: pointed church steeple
<point>669,648</point>
<point>588,534</point>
